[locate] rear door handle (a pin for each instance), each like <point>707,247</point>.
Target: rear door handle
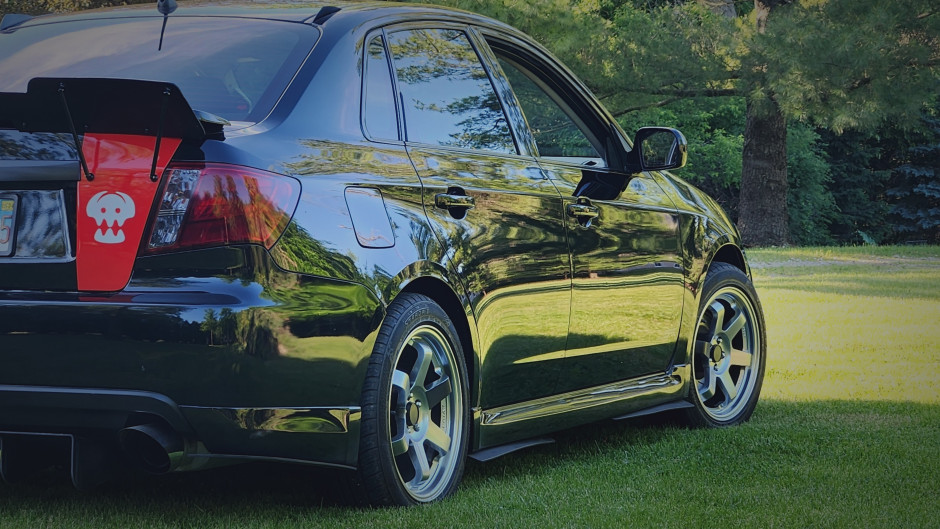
<point>448,201</point>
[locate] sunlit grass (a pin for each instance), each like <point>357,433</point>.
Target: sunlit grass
<point>849,253</point>
<point>844,324</point>
<point>847,435</point>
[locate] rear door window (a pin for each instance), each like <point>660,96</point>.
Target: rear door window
<point>379,117</point>
<point>446,95</point>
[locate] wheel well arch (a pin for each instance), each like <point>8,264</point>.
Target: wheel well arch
<point>443,295</point>
<point>732,255</point>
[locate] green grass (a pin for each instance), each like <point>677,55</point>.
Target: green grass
<point>844,324</point>
<point>847,434</point>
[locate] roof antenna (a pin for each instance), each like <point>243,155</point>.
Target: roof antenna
<point>166,7</point>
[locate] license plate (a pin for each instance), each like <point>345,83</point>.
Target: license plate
<point>7,224</point>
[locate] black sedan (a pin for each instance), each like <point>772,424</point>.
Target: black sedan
<point>377,237</point>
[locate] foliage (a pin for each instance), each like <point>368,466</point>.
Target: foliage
<point>833,64</point>
<point>850,64</point>
<point>40,7</point>
<point>810,203</point>
<point>715,132</point>
<point>915,195</point>
<point>860,165</point>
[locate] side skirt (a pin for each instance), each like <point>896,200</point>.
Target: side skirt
<point>628,398</point>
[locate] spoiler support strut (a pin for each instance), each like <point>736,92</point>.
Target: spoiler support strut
<point>78,146</point>
<point>156,147</point>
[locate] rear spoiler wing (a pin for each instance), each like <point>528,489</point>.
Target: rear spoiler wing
<point>110,106</point>
<point>107,106</point>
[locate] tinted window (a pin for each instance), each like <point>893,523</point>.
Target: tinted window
<point>447,97</point>
<point>233,67</point>
<point>555,133</point>
<point>379,112</point>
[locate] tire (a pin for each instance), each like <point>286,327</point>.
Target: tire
<point>729,350</point>
<point>415,408</point>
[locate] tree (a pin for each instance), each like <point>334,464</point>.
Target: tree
<point>915,195</point>
<point>810,203</point>
<point>860,164</point>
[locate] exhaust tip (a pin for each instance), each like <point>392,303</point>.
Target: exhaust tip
<point>157,449</point>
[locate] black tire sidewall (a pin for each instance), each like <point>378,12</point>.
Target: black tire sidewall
<point>407,313</point>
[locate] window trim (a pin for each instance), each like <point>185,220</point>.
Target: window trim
<point>370,36</point>
<point>469,32</point>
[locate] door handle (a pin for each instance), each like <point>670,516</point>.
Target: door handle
<point>583,212</point>
<point>448,201</point>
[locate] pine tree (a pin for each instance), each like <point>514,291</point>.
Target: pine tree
<point>860,165</point>
<point>915,195</point>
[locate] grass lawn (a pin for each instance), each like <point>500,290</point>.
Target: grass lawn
<point>847,434</point>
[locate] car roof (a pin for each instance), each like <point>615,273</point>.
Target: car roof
<point>283,10</point>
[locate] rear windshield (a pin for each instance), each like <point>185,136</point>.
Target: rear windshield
<point>236,68</point>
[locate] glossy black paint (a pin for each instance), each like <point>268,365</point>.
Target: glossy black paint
<point>627,286</point>
<point>243,340</point>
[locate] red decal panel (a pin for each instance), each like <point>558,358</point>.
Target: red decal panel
<point>113,208</point>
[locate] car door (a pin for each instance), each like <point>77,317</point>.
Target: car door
<point>622,230</point>
<point>495,212</point>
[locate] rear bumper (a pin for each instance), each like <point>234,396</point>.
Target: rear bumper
<point>321,435</point>
<point>234,354</point>
<point>87,412</point>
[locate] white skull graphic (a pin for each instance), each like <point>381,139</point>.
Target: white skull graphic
<point>110,210</point>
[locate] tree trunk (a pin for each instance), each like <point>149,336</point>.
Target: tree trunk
<point>762,212</point>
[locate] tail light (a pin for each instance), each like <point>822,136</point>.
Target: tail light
<point>217,204</point>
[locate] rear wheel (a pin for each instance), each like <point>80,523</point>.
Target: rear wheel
<point>415,412</point>
<point>729,352</point>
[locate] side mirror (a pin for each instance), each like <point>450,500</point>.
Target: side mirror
<point>658,149</point>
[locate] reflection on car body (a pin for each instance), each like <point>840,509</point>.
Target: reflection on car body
<point>382,238</point>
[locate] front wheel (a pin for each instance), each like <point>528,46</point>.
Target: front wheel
<point>729,353</point>
<point>415,411</point>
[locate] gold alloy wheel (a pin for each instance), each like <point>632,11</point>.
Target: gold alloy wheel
<point>426,418</point>
<point>727,356</point>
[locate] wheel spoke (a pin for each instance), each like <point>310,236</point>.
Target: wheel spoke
<point>701,348</point>
<point>727,355</point>
<point>736,324</point>
<point>740,358</point>
<point>707,385</point>
<point>425,356</point>
<point>419,459</point>
<point>719,309</point>
<point>402,383</point>
<point>728,386</point>
<point>427,413</point>
<point>438,439</point>
<point>400,444</point>
<point>438,392</point>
